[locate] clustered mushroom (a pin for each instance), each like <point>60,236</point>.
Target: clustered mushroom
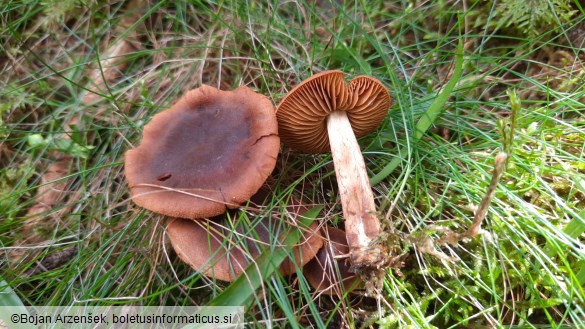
<point>213,150</point>
<point>210,152</point>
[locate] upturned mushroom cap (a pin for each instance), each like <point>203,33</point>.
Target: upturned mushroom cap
<point>323,272</point>
<point>303,112</point>
<point>216,250</point>
<point>210,151</point>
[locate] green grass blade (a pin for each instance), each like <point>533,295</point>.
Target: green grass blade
<point>581,274</point>
<point>576,227</point>
<point>10,304</point>
<point>431,115</point>
<point>8,297</point>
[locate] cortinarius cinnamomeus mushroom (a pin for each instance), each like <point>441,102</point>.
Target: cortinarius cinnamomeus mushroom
<point>217,249</point>
<point>210,151</point>
<point>323,113</point>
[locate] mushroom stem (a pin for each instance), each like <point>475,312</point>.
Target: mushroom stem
<point>357,199</point>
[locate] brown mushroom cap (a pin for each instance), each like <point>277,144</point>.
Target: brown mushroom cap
<point>323,272</point>
<point>303,112</point>
<point>210,151</point>
<point>218,250</point>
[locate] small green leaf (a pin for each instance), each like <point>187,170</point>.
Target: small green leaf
<point>36,140</point>
<point>10,304</point>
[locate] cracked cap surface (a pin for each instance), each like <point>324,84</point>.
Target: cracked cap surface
<point>302,114</point>
<point>210,151</point>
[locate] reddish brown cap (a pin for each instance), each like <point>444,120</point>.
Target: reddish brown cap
<point>212,150</point>
<point>324,271</point>
<point>303,112</point>
<point>217,249</point>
